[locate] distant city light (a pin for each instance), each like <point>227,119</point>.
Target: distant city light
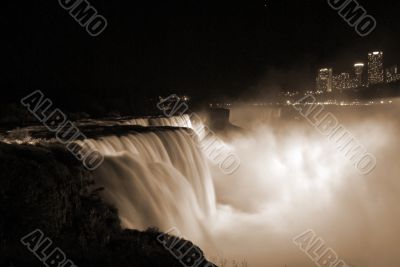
<point>362,76</point>
<point>375,68</point>
<point>324,80</point>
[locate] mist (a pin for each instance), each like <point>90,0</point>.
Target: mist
<point>292,179</point>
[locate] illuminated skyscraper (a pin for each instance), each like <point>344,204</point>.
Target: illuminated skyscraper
<point>324,80</point>
<point>336,83</point>
<point>375,67</point>
<point>359,74</point>
<point>344,81</point>
<point>392,74</point>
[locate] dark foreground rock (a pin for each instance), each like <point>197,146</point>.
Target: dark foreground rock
<point>46,188</point>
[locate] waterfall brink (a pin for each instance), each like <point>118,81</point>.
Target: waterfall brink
<point>176,121</point>
<point>158,178</point>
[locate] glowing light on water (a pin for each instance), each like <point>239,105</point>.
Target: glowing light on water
<point>291,179</point>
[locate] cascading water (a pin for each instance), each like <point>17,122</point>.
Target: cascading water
<point>159,178</point>
<point>291,179</point>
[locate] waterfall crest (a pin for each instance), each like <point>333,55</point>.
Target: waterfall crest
<point>175,121</point>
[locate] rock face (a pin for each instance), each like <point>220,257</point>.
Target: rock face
<point>46,188</point>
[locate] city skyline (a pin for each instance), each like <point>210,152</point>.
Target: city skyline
<point>373,72</point>
<point>206,49</point>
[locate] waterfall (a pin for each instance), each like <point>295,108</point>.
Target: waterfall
<point>176,121</point>
<point>158,178</point>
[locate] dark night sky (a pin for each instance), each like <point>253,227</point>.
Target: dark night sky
<point>202,47</point>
